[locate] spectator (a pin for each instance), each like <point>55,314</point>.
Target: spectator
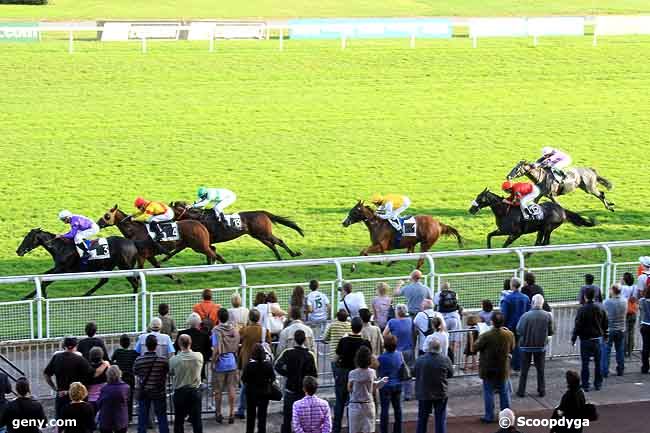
<point>113,403</point>
<point>589,283</point>
<point>297,299</point>
<point>631,296</point>
<point>362,385</point>
<point>186,369</point>
<point>206,309</point>
<point>531,289</point>
<point>151,372</point>
<point>225,343</point>
<point>346,351</point>
<point>98,379</point>
<point>447,303</point>
<point>507,418</point>
<point>277,317</point>
<point>572,405</point>
<point>85,344</point>
<point>238,315</point>
<point>644,308</point>
<point>371,332</point>
<point>351,302</point>
<point>440,334</point>
<point>78,411</point>
<point>495,347</point>
<point>124,358</point>
<point>286,338</point>
<point>334,332</point>
<point>23,408</point>
<point>168,324</point>
<point>534,329</point>
<point>513,307</point>
<point>311,414</point>
<point>164,345</point>
<point>446,300</point>
<point>423,323</point>
<point>486,311</point>
<point>616,308</point>
<point>250,336</point>
<point>390,363</point>
<point>591,326</point>
<point>295,364</point>
<point>317,304</point>
<point>381,304</point>
<point>643,282</point>
<point>200,340</point>
<point>5,388</point>
<point>257,374</point>
<point>506,290</point>
<point>469,352</point>
<point>415,293</point>
<point>402,328</point>
<point>67,366</point>
<point>431,373</point>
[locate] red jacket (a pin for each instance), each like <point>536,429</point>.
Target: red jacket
<point>519,190</point>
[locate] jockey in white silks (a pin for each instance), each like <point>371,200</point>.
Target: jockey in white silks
<point>556,160</point>
<point>217,199</point>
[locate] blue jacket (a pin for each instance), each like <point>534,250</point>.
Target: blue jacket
<point>513,307</point>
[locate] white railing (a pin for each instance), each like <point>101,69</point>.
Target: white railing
<point>135,310</point>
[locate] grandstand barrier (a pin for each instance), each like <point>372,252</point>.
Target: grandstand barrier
<point>621,26</point>
<point>39,318</point>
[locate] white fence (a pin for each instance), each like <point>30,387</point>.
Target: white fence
<point>54,317</point>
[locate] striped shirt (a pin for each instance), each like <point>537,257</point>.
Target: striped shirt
<point>334,333</point>
<point>153,369</point>
<point>311,415</point>
<point>125,358</point>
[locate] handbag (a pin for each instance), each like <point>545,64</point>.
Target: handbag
<point>404,370</point>
<point>139,392</point>
<point>272,390</point>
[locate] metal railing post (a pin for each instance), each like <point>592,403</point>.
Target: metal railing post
<point>244,284</point>
<point>432,272</point>
<point>339,282</point>
<point>522,264</point>
<point>608,270</point>
<point>38,298</point>
<point>143,294</point>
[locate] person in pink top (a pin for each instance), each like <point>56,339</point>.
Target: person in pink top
<point>311,414</point>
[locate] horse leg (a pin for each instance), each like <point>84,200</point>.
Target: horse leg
<point>218,256</point>
<point>608,204</point>
<point>44,285</point>
<point>175,251</point>
<point>280,242</point>
<point>490,235</point>
<point>156,264</point>
<point>135,284</point>
<point>97,286</point>
<point>513,237</point>
<point>271,246</point>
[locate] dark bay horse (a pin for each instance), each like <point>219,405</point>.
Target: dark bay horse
<point>587,179</point>
<point>193,235</point>
<point>383,235</point>
<point>124,254</point>
<point>511,223</point>
<point>258,224</point>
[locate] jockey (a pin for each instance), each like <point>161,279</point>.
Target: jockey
<point>215,198</point>
<point>81,228</point>
<point>522,194</point>
<point>390,206</point>
<point>152,212</point>
<point>556,160</point>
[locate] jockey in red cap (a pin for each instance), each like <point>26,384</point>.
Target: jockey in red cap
<point>152,212</point>
<point>522,194</point>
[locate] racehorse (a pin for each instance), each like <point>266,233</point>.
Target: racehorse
<point>586,179</point>
<point>511,223</point>
<point>258,224</point>
<point>383,235</point>
<point>193,235</point>
<point>123,252</point>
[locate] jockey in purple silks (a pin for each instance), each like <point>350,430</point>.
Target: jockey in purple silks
<point>81,228</point>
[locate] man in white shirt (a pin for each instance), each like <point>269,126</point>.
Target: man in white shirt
<point>286,338</point>
<point>317,304</point>
<point>351,302</point>
<point>165,347</point>
<point>422,323</point>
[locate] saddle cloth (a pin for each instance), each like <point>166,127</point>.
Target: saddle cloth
<point>409,226</point>
<point>233,221</point>
<point>169,230</point>
<point>536,212</point>
<point>97,249</point>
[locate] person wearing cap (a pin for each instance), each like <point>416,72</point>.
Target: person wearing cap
<point>165,346</point>
<point>152,212</point>
<point>555,160</point>
<point>67,367</point>
<point>217,199</point>
<point>643,281</point>
<point>81,228</point>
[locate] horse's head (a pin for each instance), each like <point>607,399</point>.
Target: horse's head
<point>35,238</point>
<point>359,212</point>
<point>519,170</point>
<point>484,199</point>
<point>112,217</point>
<point>179,208</point>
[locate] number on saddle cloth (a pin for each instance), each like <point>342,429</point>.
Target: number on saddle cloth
<point>97,249</point>
<point>233,221</point>
<point>536,211</point>
<point>169,231</point>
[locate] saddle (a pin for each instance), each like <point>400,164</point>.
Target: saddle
<point>405,227</point>
<point>169,231</point>
<point>97,249</point>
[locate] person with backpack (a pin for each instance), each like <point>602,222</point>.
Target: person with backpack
<point>207,310</point>
<point>423,324</point>
<point>446,302</point>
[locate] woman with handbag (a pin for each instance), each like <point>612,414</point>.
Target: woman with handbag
<point>393,366</point>
<point>259,378</point>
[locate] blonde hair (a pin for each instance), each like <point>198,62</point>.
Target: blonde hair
<point>77,391</point>
<point>382,288</point>
<point>235,300</point>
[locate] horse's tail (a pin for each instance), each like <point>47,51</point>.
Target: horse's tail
<point>578,220</point>
<point>276,219</point>
<point>604,182</point>
<point>450,231</point>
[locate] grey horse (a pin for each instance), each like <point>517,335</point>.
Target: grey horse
<point>580,177</point>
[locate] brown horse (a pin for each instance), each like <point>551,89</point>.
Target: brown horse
<point>193,235</point>
<point>258,224</point>
<point>383,235</point>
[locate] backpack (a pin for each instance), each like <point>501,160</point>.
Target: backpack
<point>430,329</point>
<point>448,301</point>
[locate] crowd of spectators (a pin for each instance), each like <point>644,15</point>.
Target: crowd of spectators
<point>380,356</point>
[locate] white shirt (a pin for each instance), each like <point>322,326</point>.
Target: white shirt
<point>642,281</point>
<point>165,346</point>
<point>319,304</point>
<point>421,323</point>
<point>442,337</point>
<point>354,301</point>
<point>628,291</point>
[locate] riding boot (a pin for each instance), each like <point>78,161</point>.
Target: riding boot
<point>526,213</point>
<point>82,246</point>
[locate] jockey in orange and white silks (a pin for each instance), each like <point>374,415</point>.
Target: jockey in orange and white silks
<point>556,160</point>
